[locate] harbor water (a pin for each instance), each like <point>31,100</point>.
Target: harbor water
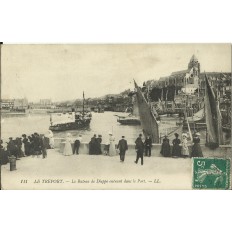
<point>101,123</point>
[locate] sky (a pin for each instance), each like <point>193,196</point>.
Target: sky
<point>63,72</point>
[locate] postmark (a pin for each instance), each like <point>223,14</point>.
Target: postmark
<point>211,173</point>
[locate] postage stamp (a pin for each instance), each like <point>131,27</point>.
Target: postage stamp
<point>211,173</point>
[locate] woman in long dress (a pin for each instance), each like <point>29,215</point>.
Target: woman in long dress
<point>51,139</point>
<point>196,148</point>
<point>165,147</point>
<point>112,150</point>
<point>68,147</point>
<point>176,149</point>
<point>184,150</point>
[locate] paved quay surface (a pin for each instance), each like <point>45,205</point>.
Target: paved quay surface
<point>97,172</point>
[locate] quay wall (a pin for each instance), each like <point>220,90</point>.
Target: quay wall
<point>224,151</point>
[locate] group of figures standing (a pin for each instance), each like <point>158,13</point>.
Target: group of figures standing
<point>181,148</point>
<point>32,145</point>
<point>94,145</point>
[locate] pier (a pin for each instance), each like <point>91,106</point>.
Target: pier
<point>224,151</point>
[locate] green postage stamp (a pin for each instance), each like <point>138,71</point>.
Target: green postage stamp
<point>211,173</point>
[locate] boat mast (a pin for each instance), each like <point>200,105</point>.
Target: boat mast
<point>185,112</point>
<point>83,104</point>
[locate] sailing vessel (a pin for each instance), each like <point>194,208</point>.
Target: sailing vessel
<point>148,121</point>
<point>133,118</point>
<point>213,117</point>
<point>196,122</point>
<point>73,120</point>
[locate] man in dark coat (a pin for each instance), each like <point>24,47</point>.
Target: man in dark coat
<point>43,145</point>
<point>122,146</point>
<point>37,145</point>
<point>11,148</point>
<point>18,143</point>
<point>148,145</point>
<point>31,144</point>
<point>77,144</point>
<point>139,147</point>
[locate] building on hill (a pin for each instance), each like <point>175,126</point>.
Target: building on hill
<point>189,81</point>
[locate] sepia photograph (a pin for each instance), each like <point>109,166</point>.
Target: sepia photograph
<point>115,116</point>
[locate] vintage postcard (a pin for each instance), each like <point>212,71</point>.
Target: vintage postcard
<point>115,116</point>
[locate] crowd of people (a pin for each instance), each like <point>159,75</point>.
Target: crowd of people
<point>26,145</point>
<point>95,145</point>
<point>181,148</point>
<point>36,145</point>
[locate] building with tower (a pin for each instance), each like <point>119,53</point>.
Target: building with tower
<point>189,81</point>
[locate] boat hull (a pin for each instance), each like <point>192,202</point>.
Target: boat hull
<point>70,126</point>
<point>129,121</point>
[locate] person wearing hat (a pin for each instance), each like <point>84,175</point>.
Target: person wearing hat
<point>26,145</point>
<point>165,147</point>
<point>99,141</point>
<point>148,145</point>
<point>37,148</point>
<point>51,139</point>
<point>18,143</point>
<point>123,147</point>
<point>31,144</point>
<point>11,148</point>
<point>185,150</point>
<point>139,147</point>
<point>77,144</point>
<point>93,145</point>
<point>68,146</point>
<point>176,149</point>
<point>43,146</point>
<point>3,155</point>
<point>196,148</point>
<point>112,150</point>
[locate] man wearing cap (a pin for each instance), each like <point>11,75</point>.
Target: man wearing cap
<point>122,146</point>
<point>139,147</point>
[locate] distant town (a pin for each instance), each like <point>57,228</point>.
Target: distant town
<point>171,91</point>
<point>110,102</point>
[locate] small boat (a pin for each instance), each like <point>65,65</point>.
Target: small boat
<point>72,120</point>
<point>82,123</point>
<point>175,115</point>
<point>129,120</point>
<point>163,115</point>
